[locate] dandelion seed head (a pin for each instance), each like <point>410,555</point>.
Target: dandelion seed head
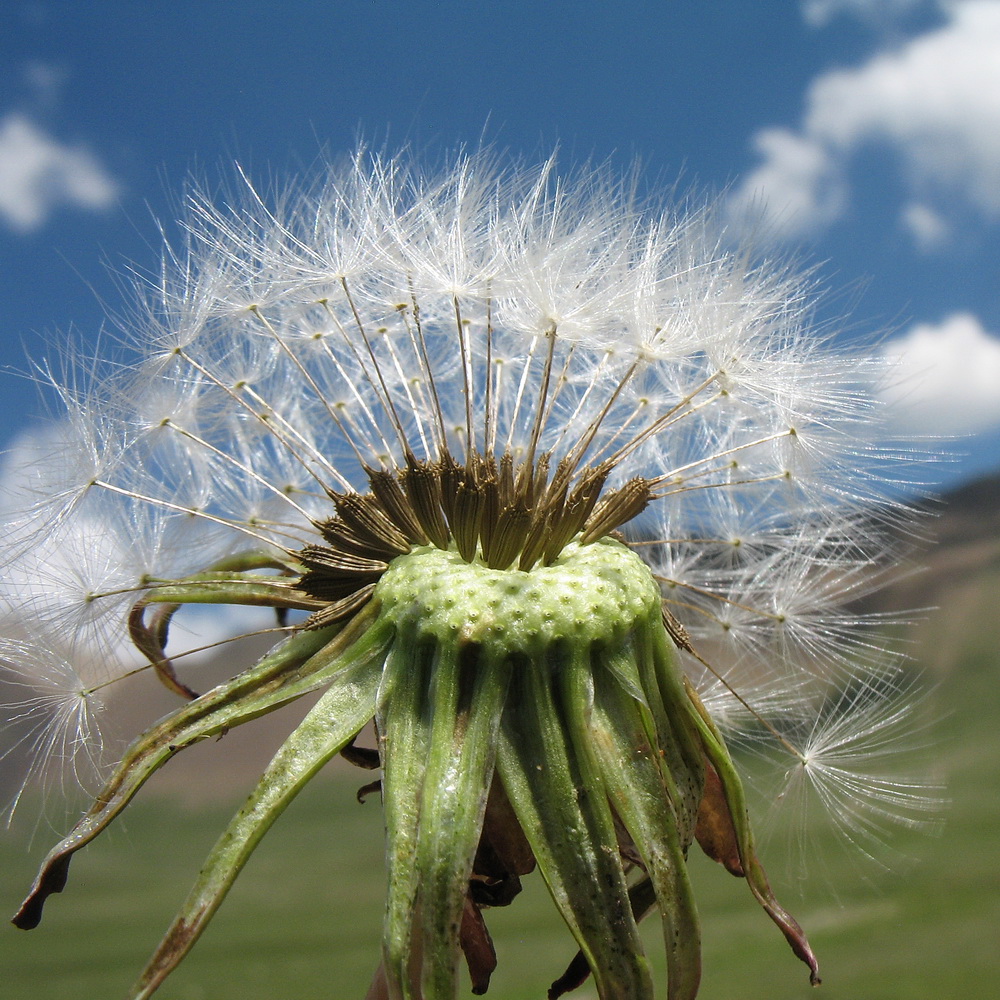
<point>505,371</point>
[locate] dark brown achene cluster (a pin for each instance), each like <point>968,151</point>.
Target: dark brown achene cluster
<point>500,512</point>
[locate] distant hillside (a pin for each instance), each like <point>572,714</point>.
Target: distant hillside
<point>956,577</point>
<point>970,513</point>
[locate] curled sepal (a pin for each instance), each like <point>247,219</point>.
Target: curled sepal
<point>301,664</point>
<point>344,709</point>
<point>229,581</point>
<point>725,834</point>
<point>622,736</point>
<point>561,804</point>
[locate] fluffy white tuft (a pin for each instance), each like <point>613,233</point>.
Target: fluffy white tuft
<point>384,311</point>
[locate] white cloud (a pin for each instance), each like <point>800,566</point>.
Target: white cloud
<point>934,101</point>
<point>811,192</point>
<point>927,227</point>
<point>946,377</point>
<point>817,13</point>
<point>38,174</point>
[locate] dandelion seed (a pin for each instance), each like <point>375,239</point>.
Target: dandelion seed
<point>54,735</point>
<point>520,467</point>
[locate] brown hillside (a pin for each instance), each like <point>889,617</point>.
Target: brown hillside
<point>955,588</point>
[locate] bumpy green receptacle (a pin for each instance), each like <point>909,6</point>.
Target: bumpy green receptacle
<point>591,593</point>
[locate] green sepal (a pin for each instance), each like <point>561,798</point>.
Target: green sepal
<point>622,735</point>
<point>561,804</point>
<point>467,698</point>
<point>228,581</point>
<point>438,731</point>
<point>404,727</point>
<point>302,663</point>
<point>220,587</point>
<point>676,735</point>
<point>248,559</point>
<point>735,800</point>
<point>231,581</point>
<point>642,898</point>
<point>343,710</point>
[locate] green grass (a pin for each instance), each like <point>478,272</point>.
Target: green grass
<point>303,919</point>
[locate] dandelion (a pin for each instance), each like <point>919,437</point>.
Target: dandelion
<point>551,485</point>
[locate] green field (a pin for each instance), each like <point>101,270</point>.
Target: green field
<point>303,919</point>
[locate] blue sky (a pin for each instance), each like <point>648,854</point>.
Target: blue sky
<point>867,133</point>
